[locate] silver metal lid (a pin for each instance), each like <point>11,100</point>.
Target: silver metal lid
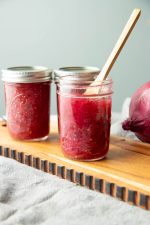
<point>78,73</point>
<point>26,74</point>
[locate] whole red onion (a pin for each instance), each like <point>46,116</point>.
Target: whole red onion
<point>139,113</point>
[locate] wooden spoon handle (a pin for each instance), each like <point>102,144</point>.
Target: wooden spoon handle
<point>119,45</point>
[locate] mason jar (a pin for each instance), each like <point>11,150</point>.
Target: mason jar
<point>84,113</point>
<point>27,96</point>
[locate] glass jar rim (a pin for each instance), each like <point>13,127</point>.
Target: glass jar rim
<point>80,83</point>
<point>74,70</point>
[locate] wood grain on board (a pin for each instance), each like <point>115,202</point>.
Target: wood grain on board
<point>123,174</point>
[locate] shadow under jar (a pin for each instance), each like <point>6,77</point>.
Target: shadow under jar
<point>83,118</point>
<point>27,96</point>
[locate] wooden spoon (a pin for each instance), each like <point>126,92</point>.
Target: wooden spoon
<point>116,50</point>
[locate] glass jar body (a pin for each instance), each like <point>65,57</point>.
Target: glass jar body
<point>84,120</point>
<point>28,109</point>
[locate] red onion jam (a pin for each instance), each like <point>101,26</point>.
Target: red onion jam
<point>27,96</point>
<point>27,109</point>
<point>83,119</point>
<point>84,126</point>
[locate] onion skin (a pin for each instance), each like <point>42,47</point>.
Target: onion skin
<point>139,113</point>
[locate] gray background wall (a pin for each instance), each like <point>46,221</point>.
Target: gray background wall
<point>57,33</point>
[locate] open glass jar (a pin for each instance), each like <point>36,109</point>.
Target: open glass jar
<point>83,119</point>
<point>27,96</point>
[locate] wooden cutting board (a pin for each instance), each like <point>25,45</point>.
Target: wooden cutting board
<point>123,174</point>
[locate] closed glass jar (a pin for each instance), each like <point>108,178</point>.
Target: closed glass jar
<point>27,97</point>
<point>84,113</point>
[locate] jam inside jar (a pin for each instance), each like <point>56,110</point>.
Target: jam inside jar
<point>27,103</point>
<point>84,119</point>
